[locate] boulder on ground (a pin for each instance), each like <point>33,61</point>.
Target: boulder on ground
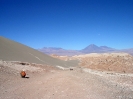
<point>23,74</point>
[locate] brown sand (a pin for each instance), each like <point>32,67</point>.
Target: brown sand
<point>47,82</point>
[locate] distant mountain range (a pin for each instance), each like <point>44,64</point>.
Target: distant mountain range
<point>59,51</point>
<point>92,48</point>
<point>95,49</point>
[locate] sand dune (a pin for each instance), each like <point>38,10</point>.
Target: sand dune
<point>14,51</point>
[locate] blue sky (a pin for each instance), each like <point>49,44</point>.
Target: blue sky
<point>70,24</point>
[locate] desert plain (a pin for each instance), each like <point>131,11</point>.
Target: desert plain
<point>88,76</point>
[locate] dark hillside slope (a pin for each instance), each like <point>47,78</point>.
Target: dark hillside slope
<point>14,51</point>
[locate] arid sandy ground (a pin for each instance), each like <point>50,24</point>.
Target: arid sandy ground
<point>118,62</point>
<point>47,82</point>
<point>97,76</point>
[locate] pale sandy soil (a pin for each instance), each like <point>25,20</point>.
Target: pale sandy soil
<point>118,62</point>
<point>47,82</point>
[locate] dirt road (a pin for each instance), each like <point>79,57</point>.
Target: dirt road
<point>53,83</point>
